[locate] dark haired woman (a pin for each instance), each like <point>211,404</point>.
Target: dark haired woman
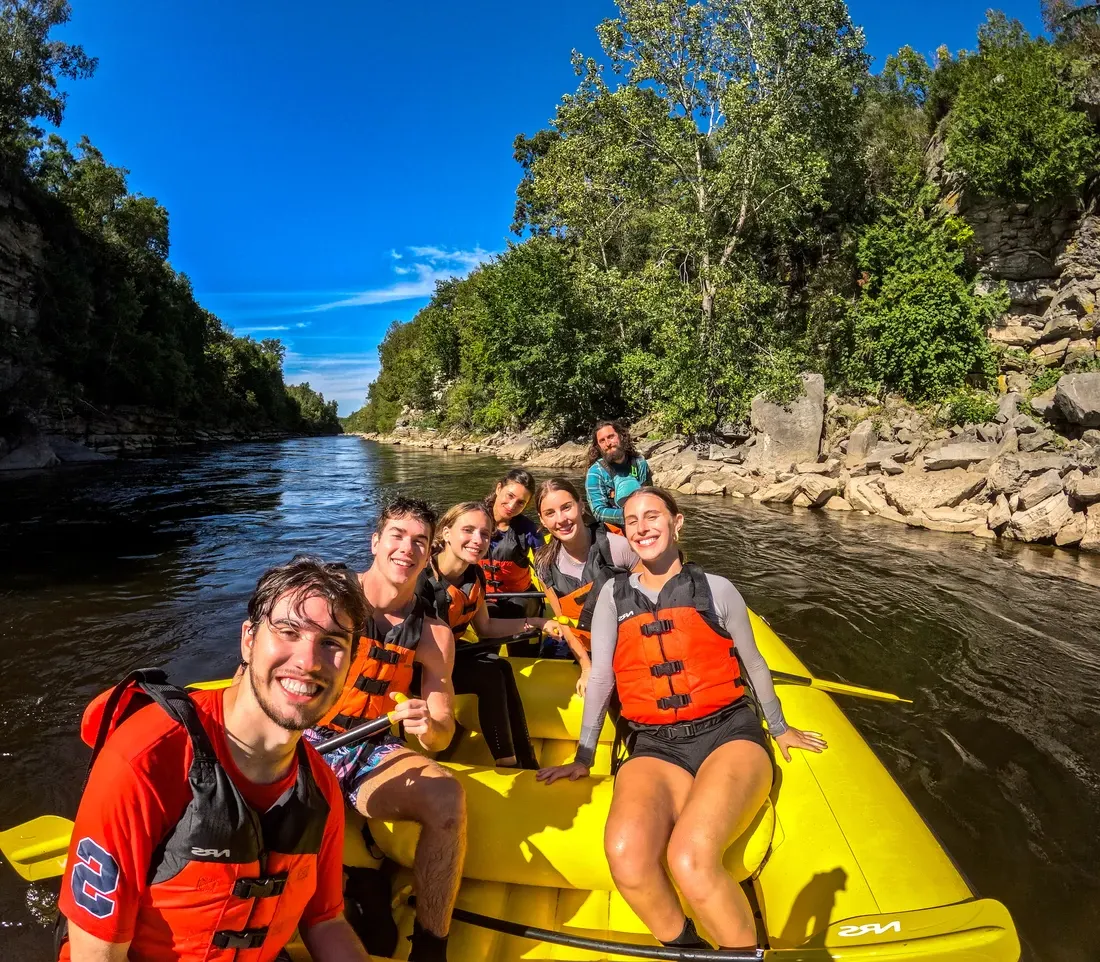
<point>580,556</point>
<point>512,547</point>
<point>453,587</point>
<point>615,469</point>
<point>677,646</point>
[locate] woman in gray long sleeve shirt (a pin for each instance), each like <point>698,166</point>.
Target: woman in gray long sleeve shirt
<point>700,766</point>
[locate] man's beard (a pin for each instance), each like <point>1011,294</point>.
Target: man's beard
<point>294,719</point>
<point>616,455</point>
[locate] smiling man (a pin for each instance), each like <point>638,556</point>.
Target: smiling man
<point>208,827</point>
<point>615,470</point>
<point>381,777</point>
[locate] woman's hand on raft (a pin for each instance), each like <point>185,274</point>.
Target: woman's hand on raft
<point>796,738</point>
<point>572,771</point>
<point>582,682</point>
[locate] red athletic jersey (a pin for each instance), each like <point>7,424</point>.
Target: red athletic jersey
<point>138,791</point>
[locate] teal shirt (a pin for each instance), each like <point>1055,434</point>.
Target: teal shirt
<point>607,485</point>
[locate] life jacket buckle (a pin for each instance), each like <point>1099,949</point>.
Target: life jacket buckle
<point>385,655</point>
<point>673,701</point>
<point>666,668</point>
<point>244,939</point>
<point>657,627</point>
<point>260,888</point>
<point>372,686</point>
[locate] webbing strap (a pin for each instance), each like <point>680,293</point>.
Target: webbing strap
<point>372,686</point>
<point>660,626</point>
<point>384,655</point>
<point>260,888</point>
<point>244,939</point>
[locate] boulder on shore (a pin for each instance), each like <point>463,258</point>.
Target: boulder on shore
<point>959,455</point>
<point>1077,397</point>
<point>788,434</point>
<point>1043,521</point>
<point>35,454</point>
<point>910,493</point>
<point>72,452</point>
<point>1039,489</point>
<point>860,442</point>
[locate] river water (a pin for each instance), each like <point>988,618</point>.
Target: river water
<point>111,567</point>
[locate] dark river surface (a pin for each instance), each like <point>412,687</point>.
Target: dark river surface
<point>112,567</point>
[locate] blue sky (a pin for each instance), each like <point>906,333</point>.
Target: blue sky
<point>324,166</point>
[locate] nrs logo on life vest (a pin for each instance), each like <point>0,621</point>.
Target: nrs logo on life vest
<point>210,852</point>
<point>871,928</point>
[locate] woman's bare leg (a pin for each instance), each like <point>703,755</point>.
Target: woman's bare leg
<point>649,795</point>
<point>727,793</point>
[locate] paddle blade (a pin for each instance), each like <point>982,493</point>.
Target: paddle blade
<point>37,849</point>
<point>838,688</point>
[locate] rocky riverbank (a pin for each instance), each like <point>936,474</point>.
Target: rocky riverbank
<point>47,440</point>
<point>1031,473</point>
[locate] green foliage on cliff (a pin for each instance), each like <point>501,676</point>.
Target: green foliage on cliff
<point>919,326</point>
<point>1014,130</point>
<point>116,324</point>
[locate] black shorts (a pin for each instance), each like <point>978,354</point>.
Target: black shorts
<point>688,750</point>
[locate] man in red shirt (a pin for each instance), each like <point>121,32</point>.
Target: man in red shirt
<point>208,826</point>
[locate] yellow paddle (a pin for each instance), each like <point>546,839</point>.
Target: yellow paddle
<point>37,849</point>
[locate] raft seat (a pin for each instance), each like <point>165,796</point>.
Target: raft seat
<point>524,832</point>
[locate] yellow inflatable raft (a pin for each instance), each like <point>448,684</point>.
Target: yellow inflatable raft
<point>839,863</point>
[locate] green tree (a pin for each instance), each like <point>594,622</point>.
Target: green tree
<point>1014,130</point>
<point>31,66</point>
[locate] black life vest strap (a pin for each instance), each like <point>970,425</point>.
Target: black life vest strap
<point>244,939</point>
<point>372,686</point>
<point>265,887</point>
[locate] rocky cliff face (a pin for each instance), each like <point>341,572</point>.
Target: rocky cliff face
<point>1047,256</point>
<point>21,259</point>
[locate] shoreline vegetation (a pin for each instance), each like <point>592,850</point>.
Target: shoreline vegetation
<point>1012,477</point>
<point>103,346</point>
<point>810,284</point>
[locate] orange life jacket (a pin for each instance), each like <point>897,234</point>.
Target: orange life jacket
<point>383,667</point>
<point>226,878</point>
<point>507,567</point>
<point>577,596</point>
<point>455,605</point>
<point>673,661</point>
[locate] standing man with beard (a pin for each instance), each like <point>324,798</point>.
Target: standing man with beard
<point>615,470</point>
<point>207,825</point>
<point>381,777</point>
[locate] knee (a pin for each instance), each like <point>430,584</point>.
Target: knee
<point>633,860</point>
<point>694,863</point>
<point>443,802</point>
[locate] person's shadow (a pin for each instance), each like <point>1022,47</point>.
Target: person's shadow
<point>813,906</point>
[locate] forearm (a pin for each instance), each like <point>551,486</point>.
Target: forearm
<point>442,727</point>
<point>334,941</point>
<point>607,514</point>
<point>599,501</point>
<point>506,627</point>
<point>87,948</point>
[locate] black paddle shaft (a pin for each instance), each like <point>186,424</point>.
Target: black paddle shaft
<point>671,953</point>
<point>355,735</point>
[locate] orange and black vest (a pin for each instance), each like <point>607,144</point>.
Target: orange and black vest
<point>383,667</point>
<point>577,596</point>
<point>226,878</point>
<point>507,567</point>
<point>454,605</point>
<point>673,661</point>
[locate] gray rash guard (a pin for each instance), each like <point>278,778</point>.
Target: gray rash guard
<point>622,555</point>
<point>732,614</point>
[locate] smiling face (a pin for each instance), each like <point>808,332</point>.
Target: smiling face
<point>510,501</point>
<point>650,527</point>
<point>610,444</point>
<point>401,549</point>
<point>297,659</point>
<point>560,514</point>
<point>468,537</point>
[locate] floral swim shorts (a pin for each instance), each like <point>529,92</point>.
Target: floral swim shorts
<point>353,764</point>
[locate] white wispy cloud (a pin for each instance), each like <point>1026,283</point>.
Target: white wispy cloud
<point>340,377</point>
<point>255,330</point>
<point>427,266</point>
